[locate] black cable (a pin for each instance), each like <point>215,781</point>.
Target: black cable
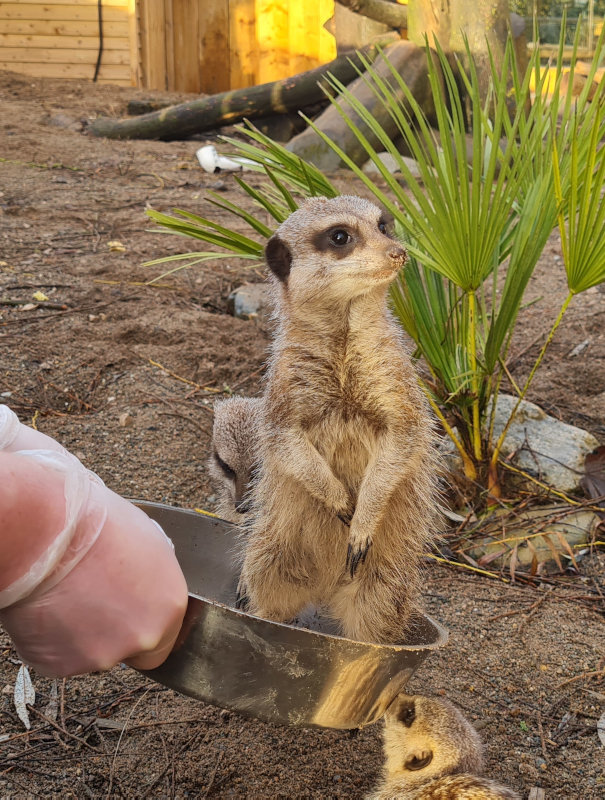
<point>98,64</point>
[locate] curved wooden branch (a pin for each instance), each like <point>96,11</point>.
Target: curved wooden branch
<point>227,108</point>
<point>386,11</point>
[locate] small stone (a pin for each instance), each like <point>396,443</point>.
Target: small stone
<point>125,420</point>
<point>249,301</point>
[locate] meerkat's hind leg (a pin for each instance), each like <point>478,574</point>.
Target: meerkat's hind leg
<point>372,607</point>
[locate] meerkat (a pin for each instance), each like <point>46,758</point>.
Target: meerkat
<point>234,447</point>
<point>433,753</point>
<point>344,502</point>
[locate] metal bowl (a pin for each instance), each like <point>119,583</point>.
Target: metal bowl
<point>278,673</point>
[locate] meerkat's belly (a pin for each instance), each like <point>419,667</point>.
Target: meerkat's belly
<point>347,446</point>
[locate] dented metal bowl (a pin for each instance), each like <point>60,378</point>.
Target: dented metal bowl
<point>278,673</point>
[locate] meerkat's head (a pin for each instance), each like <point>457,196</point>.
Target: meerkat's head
<point>234,437</point>
<point>427,738</point>
<point>338,246</point>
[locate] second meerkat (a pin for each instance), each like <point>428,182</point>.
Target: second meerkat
<point>345,495</point>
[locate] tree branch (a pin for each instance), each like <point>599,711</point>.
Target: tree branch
<point>386,11</point>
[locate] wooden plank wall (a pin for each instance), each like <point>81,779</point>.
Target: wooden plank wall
<point>60,39</point>
<point>214,45</point>
<point>181,45</point>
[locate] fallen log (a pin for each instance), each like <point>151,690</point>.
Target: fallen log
<point>227,108</point>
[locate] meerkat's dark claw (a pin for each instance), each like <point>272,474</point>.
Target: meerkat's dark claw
<point>346,518</point>
<point>242,601</point>
<point>354,559</point>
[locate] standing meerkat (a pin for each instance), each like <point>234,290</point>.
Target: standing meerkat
<point>234,448</point>
<point>433,753</point>
<point>344,502</point>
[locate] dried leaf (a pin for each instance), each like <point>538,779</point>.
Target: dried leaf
<point>601,728</point>
<point>24,694</point>
<point>513,562</point>
<point>565,545</point>
<point>553,550</point>
<point>489,557</point>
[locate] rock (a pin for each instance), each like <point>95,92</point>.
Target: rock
<point>250,301</point>
<point>541,533</point>
<point>126,420</point>
<point>65,121</point>
<point>391,164</point>
<point>548,449</point>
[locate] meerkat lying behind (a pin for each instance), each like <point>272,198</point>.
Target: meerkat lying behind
<point>234,446</point>
<point>433,753</point>
<point>344,502</point>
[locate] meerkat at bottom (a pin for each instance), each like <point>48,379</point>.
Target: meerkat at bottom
<point>344,502</point>
<point>433,753</point>
<point>234,448</point>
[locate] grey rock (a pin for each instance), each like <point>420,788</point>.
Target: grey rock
<point>391,164</point>
<point>249,301</point>
<point>546,448</point>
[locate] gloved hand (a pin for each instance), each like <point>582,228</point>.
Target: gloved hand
<point>86,578</point>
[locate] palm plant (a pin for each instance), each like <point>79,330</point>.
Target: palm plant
<point>529,170</point>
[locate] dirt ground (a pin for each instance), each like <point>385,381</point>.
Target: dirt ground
<point>523,672</point>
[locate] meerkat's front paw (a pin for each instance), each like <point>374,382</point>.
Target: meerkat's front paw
<point>357,551</point>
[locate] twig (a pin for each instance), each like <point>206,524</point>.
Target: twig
<point>466,566</point>
<point>113,762</point>
<point>595,673</point>
<point>57,314</point>
<point>182,749</point>
<point>180,378</point>
<point>541,732</point>
<point>533,608</point>
<point>221,753</point>
<point>194,422</point>
<point>63,730</point>
<point>6,301</point>
<point>247,378</point>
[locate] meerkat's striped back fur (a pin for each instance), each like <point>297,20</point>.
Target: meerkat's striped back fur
<point>345,499</point>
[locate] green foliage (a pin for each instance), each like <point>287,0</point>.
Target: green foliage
<point>474,225</point>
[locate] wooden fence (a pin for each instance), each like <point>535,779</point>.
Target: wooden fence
<point>183,45</point>
<point>215,45</point>
<point>60,39</point>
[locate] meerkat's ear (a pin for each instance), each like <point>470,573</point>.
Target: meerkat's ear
<point>278,257</point>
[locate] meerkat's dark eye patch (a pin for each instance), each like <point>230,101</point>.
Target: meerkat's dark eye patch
<point>338,239</point>
<point>229,473</point>
<point>278,257</point>
<point>419,762</point>
<point>406,713</point>
<point>385,224</point>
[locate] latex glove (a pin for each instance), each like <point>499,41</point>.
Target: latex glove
<point>86,578</point>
